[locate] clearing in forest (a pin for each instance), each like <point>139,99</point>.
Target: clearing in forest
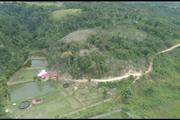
<point>59,14</point>
<point>45,4</point>
<point>79,35</point>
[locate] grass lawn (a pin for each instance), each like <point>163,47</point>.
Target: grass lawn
<point>27,73</point>
<point>104,107</point>
<point>169,110</point>
<point>80,35</point>
<point>59,14</point>
<point>45,4</point>
<point>116,115</point>
<point>128,31</point>
<point>87,97</point>
<point>23,75</point>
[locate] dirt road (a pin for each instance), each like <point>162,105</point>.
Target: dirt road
<point>135,74</point>
<point>164,51</point>
<point>128,74</point>
<point>84,108</point>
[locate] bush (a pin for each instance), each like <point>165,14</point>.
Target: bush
<point>65,85</point>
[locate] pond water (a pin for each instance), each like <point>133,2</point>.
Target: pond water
<point>25,91</point>
<point>29,90</point>
<point>38,63</point>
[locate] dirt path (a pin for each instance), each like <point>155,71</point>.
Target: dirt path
<point>136,74</point>
<point>84,108</point>
<point>164,51</point>
<point>109,113</point>
<point>18,82</point>
<point>106,114</point>
<point>169,49</point>
<point>150,67</point>
<point>128,74</point>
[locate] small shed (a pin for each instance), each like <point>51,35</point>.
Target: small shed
<point>43,74</point>
<point>36,101</point>
<point>24,105</point>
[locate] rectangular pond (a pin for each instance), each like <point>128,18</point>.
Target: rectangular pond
<point>29,90</point>
<point>38,63</point>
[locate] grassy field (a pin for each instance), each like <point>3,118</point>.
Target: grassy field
<point>45,4</point>
<point>57,103</point>
<point>128,31</point>
<point>96,110</point>
<point>116,115</point>
<point>23,75</point>
<point>79,35</point>
<point>169,110</point>
<point>61,14</point>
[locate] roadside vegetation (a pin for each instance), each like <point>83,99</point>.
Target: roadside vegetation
<point>96,40</point>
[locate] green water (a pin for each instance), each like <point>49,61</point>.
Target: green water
<point>38,63</point>
<point>30,90</point>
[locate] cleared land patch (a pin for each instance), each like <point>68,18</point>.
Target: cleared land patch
<point>60,14</point>
<point>23,75</point>
<point>127,31</point>
<point>45,4</point>
<point>79,35</point>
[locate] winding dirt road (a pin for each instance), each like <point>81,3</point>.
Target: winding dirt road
<point>106,114</point>
<point>128,74</point>
<point>164,51</point>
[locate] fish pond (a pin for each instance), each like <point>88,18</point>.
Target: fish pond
<point>30,90</point>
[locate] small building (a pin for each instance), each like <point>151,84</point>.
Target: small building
<point>36,101</point>
<point>43,74</point>
<point>24,105</point>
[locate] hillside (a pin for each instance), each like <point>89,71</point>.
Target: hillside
<point>93,40</point>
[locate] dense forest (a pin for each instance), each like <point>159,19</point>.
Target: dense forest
<point>25,27</point>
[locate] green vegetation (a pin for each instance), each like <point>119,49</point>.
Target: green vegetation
<point>154,96</point>
<point>117,115</point>
<point>45,4</point>
<point>23,75</point>
<point>58,101</point>
<point>79,36</point>
<point>127,37</point>
<point>94,40</point>
<point>60,14</point>
<point>159,89</point>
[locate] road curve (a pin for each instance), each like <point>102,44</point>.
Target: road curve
<point>128,74</point>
